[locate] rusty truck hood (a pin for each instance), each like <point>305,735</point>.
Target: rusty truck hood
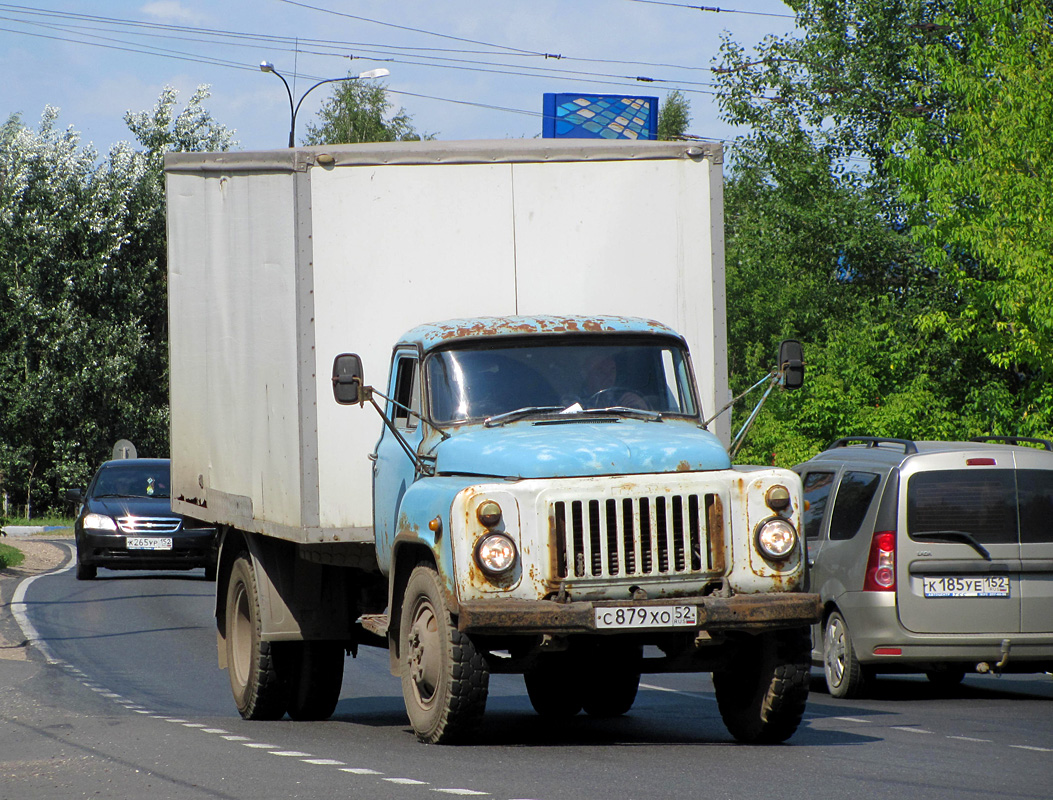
<point>563,449</point>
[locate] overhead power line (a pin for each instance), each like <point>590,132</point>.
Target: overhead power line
<point>714,9</point>
<point>143,38</point>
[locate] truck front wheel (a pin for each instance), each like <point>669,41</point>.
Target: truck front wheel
<point>444,679</point>
<point>762,693</point>
<point>314,673</point>
<point>254,678</point>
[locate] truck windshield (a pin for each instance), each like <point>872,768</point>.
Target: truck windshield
<point>475,383</point>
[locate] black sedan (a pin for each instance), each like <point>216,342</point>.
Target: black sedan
<point>126,522</point>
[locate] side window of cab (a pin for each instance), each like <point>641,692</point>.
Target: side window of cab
<point>405,391</point>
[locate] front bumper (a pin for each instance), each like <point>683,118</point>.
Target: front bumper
<point>750,613</point>
<point>190,549</point>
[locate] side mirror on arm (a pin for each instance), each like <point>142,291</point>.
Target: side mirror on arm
<point>791,364</point>
<point>348,387</point>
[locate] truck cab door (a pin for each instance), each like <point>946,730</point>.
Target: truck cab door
<point>393,470</point>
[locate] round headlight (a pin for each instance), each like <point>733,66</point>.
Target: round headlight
<point>496,554</point>
<point>99,522</point>
<point>489,513</point>
<point>776,538</point>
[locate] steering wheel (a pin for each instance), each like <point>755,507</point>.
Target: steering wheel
<point>616,396</point>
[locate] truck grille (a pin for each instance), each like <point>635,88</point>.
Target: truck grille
<point>667,534</point>
<point>148,524</point>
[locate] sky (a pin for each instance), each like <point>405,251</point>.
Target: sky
<point>474,69</point>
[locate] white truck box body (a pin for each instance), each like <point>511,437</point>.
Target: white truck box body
<point>279,261</point>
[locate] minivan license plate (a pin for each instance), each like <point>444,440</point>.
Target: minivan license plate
<point>966,586</point>
<point>149,542</point>
<point>647,617</point>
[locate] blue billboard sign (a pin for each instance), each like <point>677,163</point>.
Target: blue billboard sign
<point>599,116</point>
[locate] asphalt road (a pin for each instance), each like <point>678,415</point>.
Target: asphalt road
<point>133,705</point>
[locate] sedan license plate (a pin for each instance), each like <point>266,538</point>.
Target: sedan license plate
<point>966,586</point>
<point>149,542</point>
<point>647,617</point>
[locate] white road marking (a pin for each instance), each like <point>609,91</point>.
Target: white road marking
<point>972,739</point>
<point>323,762</point>
<point>406,781</point>
<point>911,730</point>
<point>1030,747</point>
<point>853,719</point>
<point>235,738</point>
<point>259,745</point>
<point>360,771</point>
<point>18,610</point>
<point>462,792</point>
<point>291,753</point>
<point>654,688</point>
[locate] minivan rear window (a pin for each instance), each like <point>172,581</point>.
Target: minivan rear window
<point>979,502</point>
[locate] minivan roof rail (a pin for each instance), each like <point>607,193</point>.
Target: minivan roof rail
<point>1046,443</point>
<point>909,448</point>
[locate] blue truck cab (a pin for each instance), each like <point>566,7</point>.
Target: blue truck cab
<point>547,501</point>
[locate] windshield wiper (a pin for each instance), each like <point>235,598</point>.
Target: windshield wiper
<point>952,536</point>
<point>639,413</point>
<point>519,413</point>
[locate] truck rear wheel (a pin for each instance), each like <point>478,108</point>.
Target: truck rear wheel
<point>444,679</point>
<point>762,693</point>
<point>614,680</point>
<point>314,672</point>
<point>254,680</point>
<point>554,685</point>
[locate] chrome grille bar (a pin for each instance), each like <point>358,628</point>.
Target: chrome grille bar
<point>137,525</point>
<point>666,534</point>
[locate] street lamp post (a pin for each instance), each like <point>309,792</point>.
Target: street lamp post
<point>267,66</point>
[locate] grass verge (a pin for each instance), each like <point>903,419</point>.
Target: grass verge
<point>10,556</point>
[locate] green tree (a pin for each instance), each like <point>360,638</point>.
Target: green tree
<point>976,163</point>
<point>83,336</point>
<point>819,240</point>
<point>674,116</point>
<point>360,111</point>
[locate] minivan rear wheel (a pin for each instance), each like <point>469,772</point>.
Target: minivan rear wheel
<point>844,675</point>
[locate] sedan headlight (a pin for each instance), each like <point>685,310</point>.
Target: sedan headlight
<point>99,522</point>
<point>776,538</point>
<point>496,554</point>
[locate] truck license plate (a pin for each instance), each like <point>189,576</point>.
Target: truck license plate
<point>647,617</point>
<point>149,542</point>
<point>966,586</point>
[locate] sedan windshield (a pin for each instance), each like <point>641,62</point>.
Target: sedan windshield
<point>133,480</point>
<point>472,383</point>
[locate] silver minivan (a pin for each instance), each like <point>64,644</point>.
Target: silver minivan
<point>932,557</point>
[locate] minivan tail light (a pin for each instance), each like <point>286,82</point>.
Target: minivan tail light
<point>881,565</point>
